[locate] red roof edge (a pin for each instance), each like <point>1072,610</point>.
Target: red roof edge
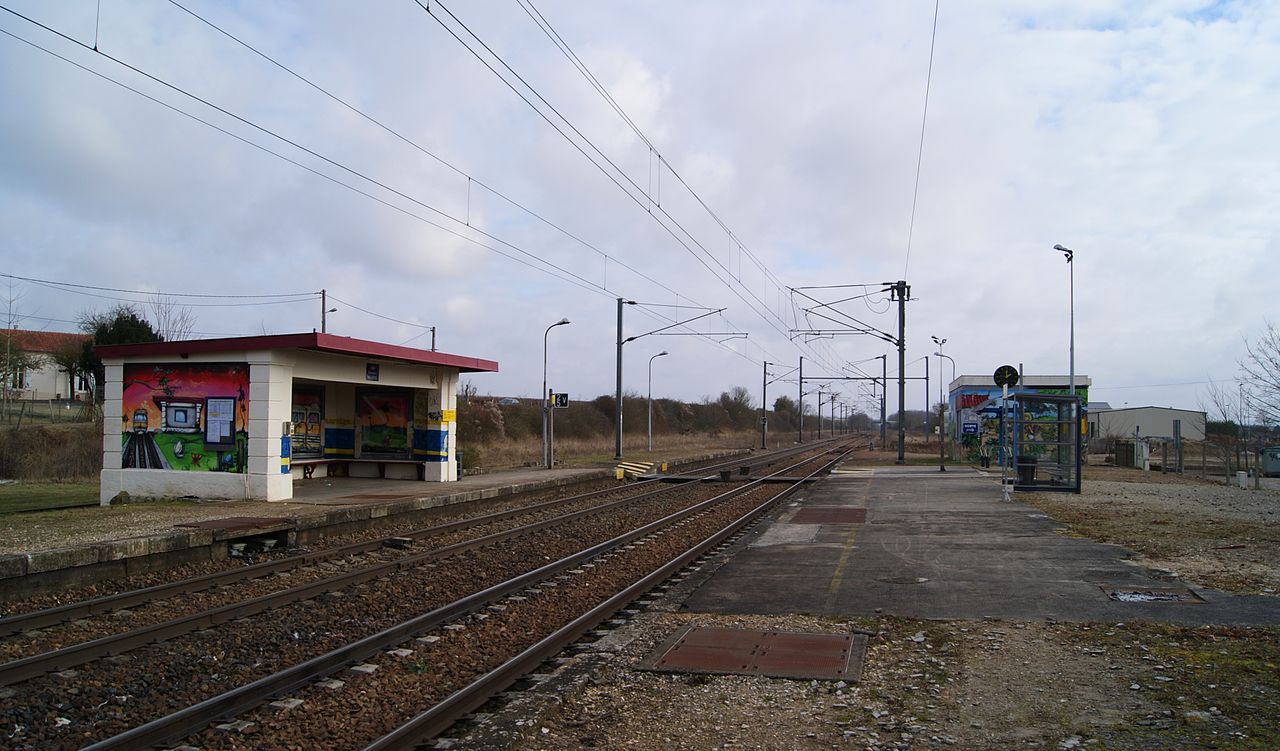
<point>331,343</point>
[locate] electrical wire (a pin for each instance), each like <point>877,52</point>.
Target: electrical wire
<point>924,117</point>
<point>439,159</point>
<point>579,281</point>
<point>427,8</point>
<point>155,292</point>
<point>379,315</point>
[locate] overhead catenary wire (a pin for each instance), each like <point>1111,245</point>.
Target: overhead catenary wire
<point>564,274</point>
<point>158,292</point>
<point>471,179</point>
<point>924,118</point>
<point>579,280</point>
<point>558,272</point>
<point>612,172</point>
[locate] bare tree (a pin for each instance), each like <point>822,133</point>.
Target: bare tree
<point>173,322</point>
<point>1227,404</point>
<point>1262,376</point>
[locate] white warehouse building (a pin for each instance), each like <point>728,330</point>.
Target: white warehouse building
<point>1144,422</point>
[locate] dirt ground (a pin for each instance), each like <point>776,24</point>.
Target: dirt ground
<point>985,684</point>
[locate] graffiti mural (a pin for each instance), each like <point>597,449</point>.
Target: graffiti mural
<point>980,425</point>
<point>185,417</point>
<point>307,417</point>
<point>384,417</point>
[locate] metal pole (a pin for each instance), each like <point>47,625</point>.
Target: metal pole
<point>884,390</point>
<point>1072,303</point>
<point>820,413</point>
<point>942,416</point>
<point>650,399</point>
<point>902,373</point>
<point>617,440</point>
<point>649,405</point>
<point>926,397</point>
<point>764,419</point>
<point>324,307</point>
<point>800,405</point>
<point>1004,466</point>
<point>433,338</point>
<point>547,458</point>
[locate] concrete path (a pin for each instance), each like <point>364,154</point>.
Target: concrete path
<point>943,545</point>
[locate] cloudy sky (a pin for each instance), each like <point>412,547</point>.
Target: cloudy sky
<point>457,168</point>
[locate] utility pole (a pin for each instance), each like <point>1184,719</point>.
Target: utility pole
<point>617,443</point>
<point>800,405</point>
<point>884,388</point>
<point>902,291</point>
<point>324,307</point>
<point>764,419</point>
<point>926,399</point>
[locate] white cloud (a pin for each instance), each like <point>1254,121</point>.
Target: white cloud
<point>1140,134</point>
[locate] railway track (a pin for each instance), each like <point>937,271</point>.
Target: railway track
<point>334,621</point>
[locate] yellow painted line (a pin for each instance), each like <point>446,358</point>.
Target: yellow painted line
<point>838,576</point>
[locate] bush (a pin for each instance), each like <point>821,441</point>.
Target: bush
<point>51,452</point>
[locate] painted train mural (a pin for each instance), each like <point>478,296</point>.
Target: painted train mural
<point>185,417</point>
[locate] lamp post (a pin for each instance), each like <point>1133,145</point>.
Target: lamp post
<point>942,414</point>
<point>942,424</point>
<point>651,359</point>
<point>546,396</point>
<point>1070,256</point>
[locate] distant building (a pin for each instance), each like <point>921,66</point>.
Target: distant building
<point>1145,422</point>
<point>42,378</point>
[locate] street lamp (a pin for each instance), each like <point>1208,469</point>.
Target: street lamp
<point>651,359</point>
<point>1070,255</point>
<point>545,396</point>
<point>942,410</point>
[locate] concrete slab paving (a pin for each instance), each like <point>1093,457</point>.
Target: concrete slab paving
<point>944,545</point>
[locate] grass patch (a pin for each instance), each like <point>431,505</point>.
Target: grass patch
<point>38,496</point>
<point>1220,686</point>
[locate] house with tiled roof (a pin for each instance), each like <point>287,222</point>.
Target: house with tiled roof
<point>41,377</point>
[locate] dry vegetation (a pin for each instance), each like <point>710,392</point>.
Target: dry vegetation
<point>1215,535</point>
<point>51,452</point>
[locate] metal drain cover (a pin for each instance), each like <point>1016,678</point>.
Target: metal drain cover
<point>830,515</point>
<point>777,654</point>
<point>1151,594</point>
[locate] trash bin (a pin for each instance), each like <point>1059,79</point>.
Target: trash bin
<point>1026,470</point>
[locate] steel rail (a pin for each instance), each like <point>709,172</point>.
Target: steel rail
<point>191,719</point>
<point>439,718</point>
<point>25,668</point>
<point>107,603</point>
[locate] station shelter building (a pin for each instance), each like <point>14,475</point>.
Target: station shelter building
<point>244,417</point>
<point>972,406</point>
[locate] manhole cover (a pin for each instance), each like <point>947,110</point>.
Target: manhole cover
<point>777,654</point>
<point>1151,594</point>
<point>830,515</point>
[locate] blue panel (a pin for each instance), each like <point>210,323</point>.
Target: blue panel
<point>339,441</point>
<point>430,439</point>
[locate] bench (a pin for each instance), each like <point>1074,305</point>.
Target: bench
<point>343,464</point>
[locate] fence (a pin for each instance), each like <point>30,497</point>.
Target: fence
<point>19,412</point>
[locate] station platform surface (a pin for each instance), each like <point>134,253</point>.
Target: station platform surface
<point>917,542</point>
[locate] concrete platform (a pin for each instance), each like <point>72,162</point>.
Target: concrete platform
<point>943,545</point>
<point>321,507</point>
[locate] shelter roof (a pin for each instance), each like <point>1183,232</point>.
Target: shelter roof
<point>314,341</point>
